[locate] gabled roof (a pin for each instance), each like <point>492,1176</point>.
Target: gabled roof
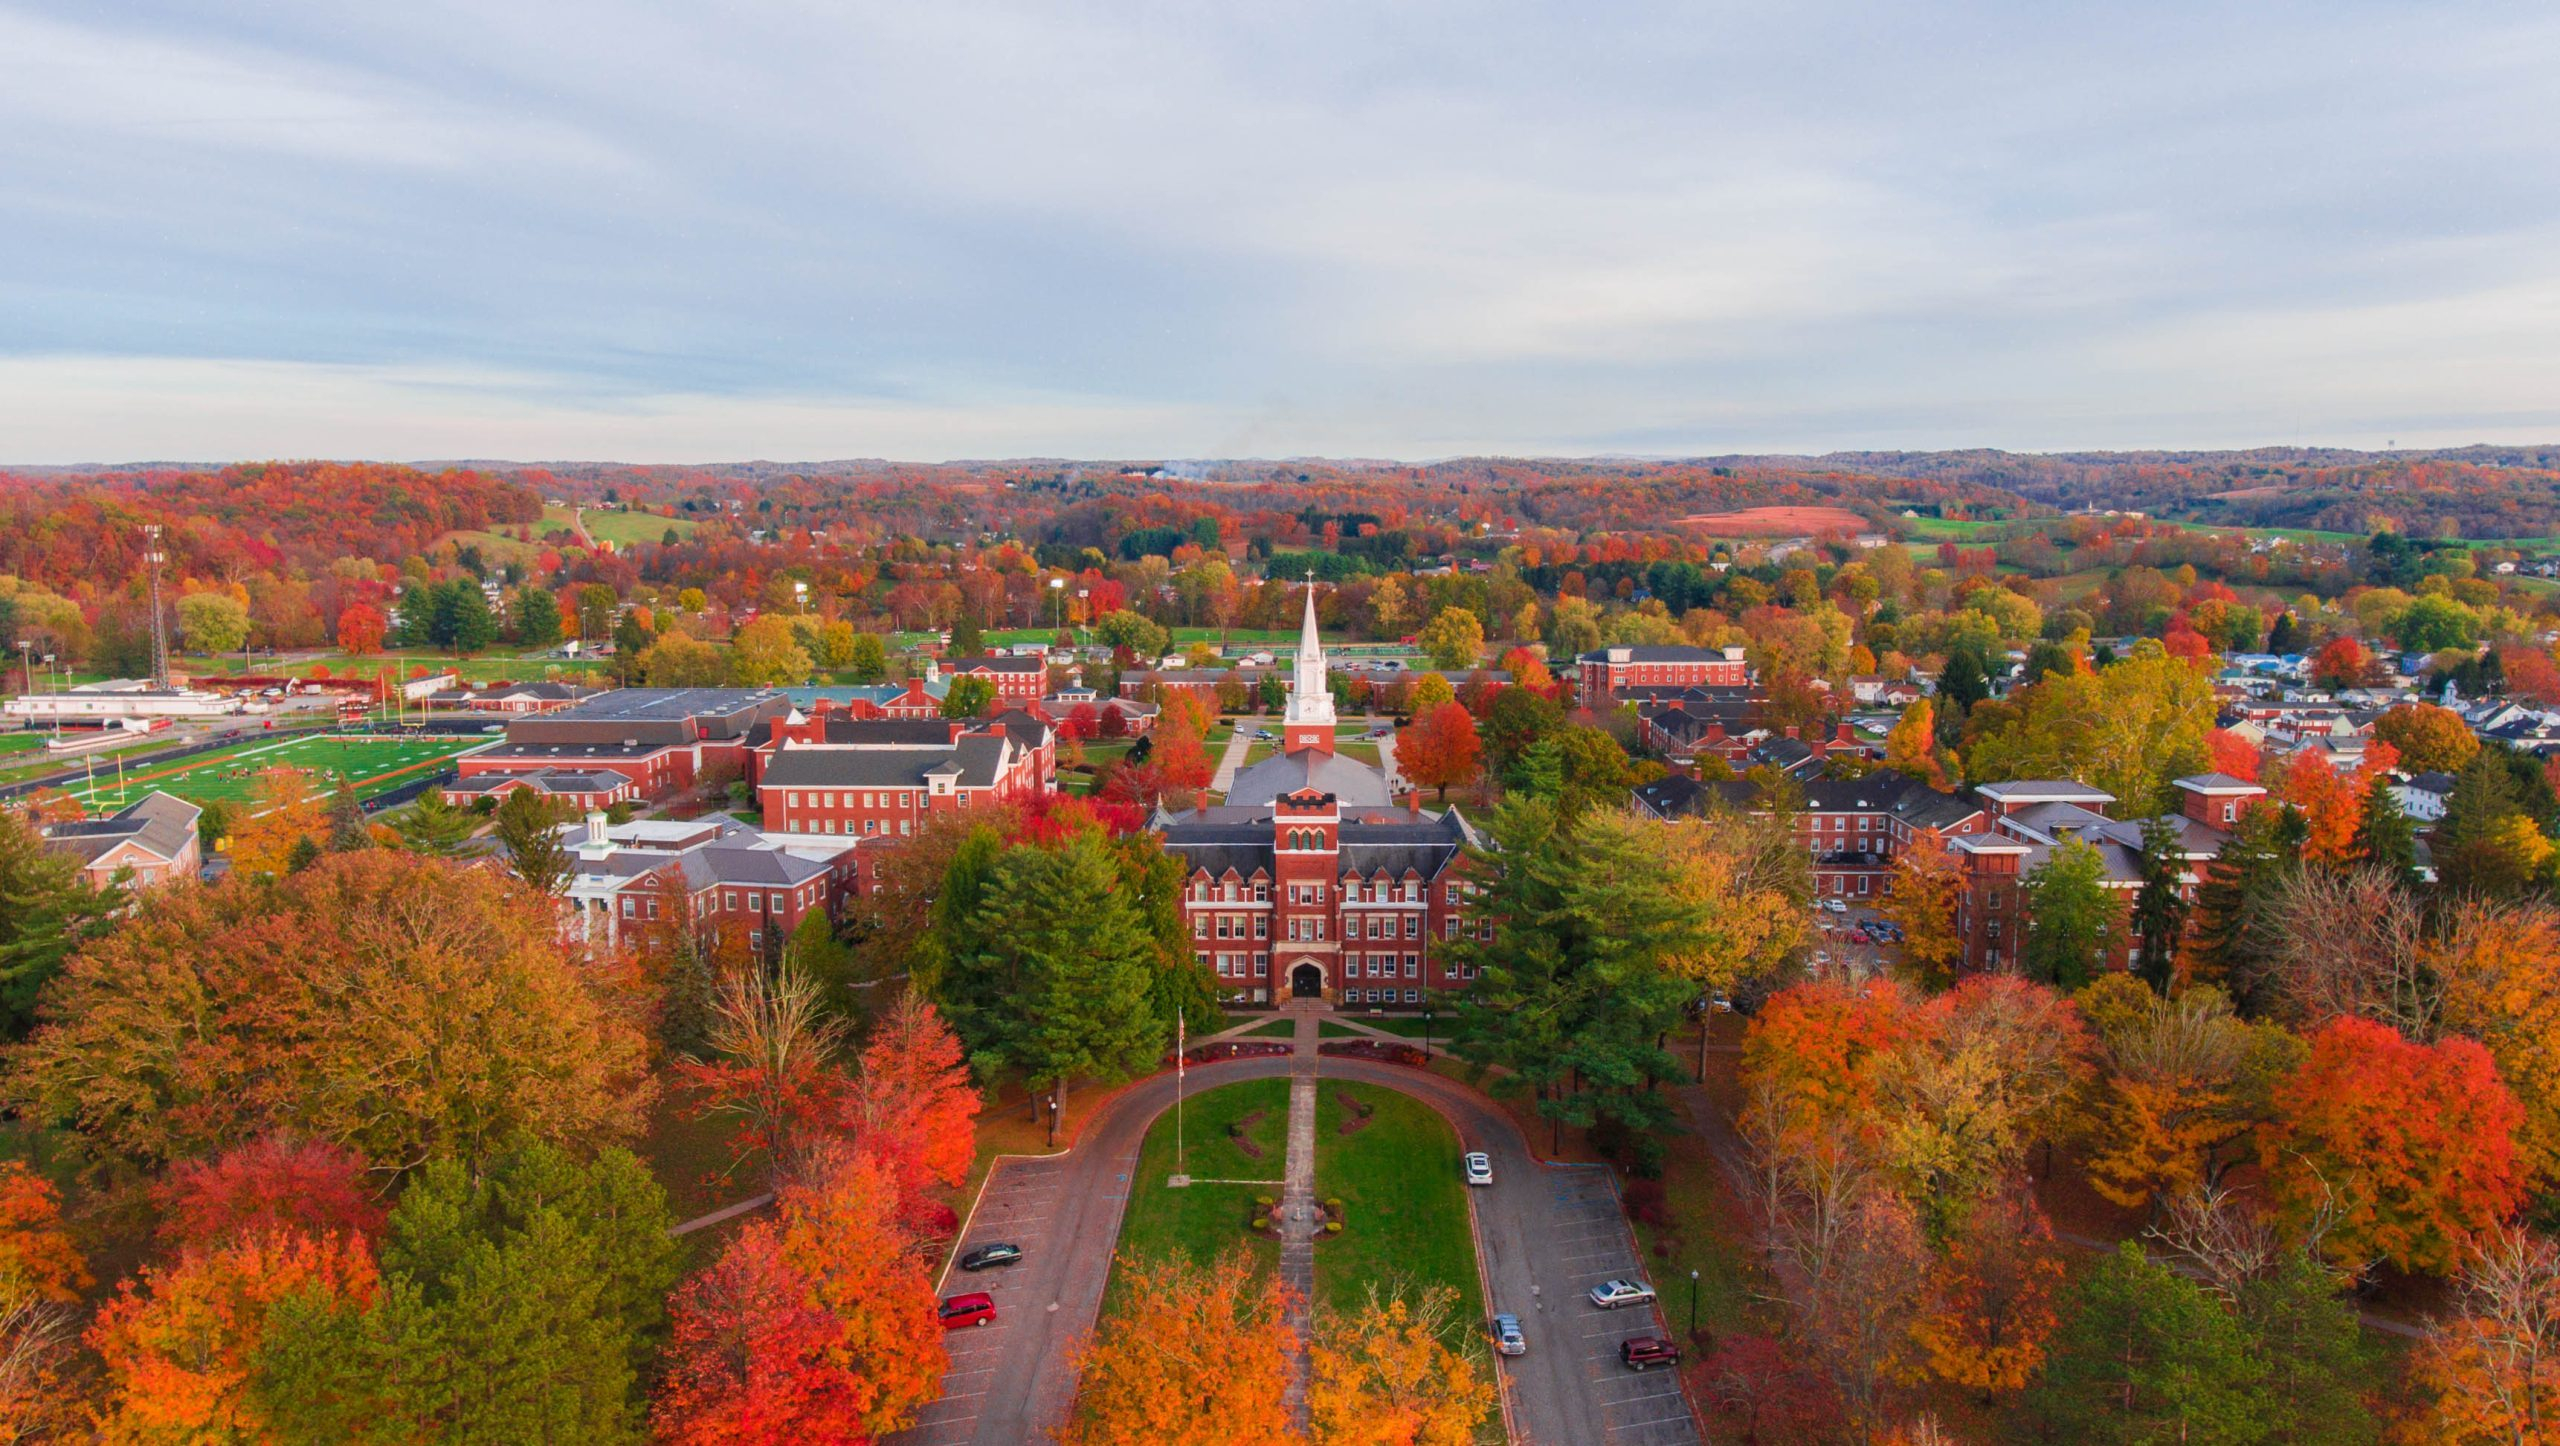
<point>1355,783</point>
<point>161,824</point>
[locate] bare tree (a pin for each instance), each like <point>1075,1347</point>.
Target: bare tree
<point>2353,942</point>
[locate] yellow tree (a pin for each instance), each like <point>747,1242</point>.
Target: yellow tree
<point>1749,915</point>
<point>1387,1376</point>
<point>2179,1079</point>
<point>1912,746</point>
<point>1926,885</point>
<point>288,809</point>
<point>2500,969</point>
<point>2490,1372</point>
<point>1197,1357</point>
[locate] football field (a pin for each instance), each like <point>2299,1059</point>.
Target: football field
<point>375,765</point>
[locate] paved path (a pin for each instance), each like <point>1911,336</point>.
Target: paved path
<point>1239,743</point>
<point>1298,1204</point>
<point>1387,762</point>
<point>1544,1235</point>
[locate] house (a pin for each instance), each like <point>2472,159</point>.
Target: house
<point>2423,796</point>
<point>149,842</point>
<point>1136,718</point>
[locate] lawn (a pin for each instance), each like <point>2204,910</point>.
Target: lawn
<point>376,765</point>
<point>1410,1025</point>
<point>1277,1028</point>
<point>1327,1029</point>
<point>1201,1221</point>
<point>1404,1207</point>
<point>620,528</point>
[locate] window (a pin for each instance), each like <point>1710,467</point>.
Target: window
<point>1413,996</point>
<point>792,799</point>
<point>1199,926</point>
<point>1413,966</point>
<point>1413,926</point>
<point>1261,892</point>
<point>732,899</point>
<point>1261,965</point>
<point>1262,926</point>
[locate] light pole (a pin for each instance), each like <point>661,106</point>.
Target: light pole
<point>1693,1305</point>
<point>1053,1119</point>
<point>26,663</point>
<point>1058,594</point>
<point>1426,1029</point>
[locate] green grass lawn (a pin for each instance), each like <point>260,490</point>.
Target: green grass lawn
<point>622,529</point>
<point>376,765</point>
<point>1274,1029</point>
<point>1410,1025</point>
<point>1327,1029</point>
<point>1202,1221</point>
<point>1405,1206</point>
<point>1941,529</point>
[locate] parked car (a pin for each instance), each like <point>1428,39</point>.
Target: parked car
<point>1479,1168</point>
<point>1611,1294</point>
<point>1837,906</point>
<point>987,1257</point>
<point>1646,1352</point>
<point>976,1308</point>
<point>1507,1338</point>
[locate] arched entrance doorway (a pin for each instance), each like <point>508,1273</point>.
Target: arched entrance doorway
<point>1306,982</point>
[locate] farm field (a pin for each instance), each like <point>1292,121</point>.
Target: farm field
<point>622,529</point>
<point>1776,521</point>
<point>375,765</point>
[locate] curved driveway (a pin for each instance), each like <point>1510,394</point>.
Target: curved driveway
<point>1544,1234</point>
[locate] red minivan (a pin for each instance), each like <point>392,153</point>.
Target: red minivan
<point>974,1309</point>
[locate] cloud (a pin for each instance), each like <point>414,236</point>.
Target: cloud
<point>1314,228</point>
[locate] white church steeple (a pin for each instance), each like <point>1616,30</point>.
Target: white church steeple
<point>1308,723</point>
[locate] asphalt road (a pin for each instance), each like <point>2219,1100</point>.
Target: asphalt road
<point>1544,1236</point>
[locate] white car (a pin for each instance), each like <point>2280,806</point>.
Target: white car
<point>1837,906</point>
<point>1479,1168</point>
<point>1611,1294</point>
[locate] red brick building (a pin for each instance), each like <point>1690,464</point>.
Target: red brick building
<point>1603,672</point>
<point>1019,682</point>
<point>828,774</point>
<point>715,872</point>
<point>662,739</point>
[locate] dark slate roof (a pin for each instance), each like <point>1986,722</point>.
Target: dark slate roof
<point>512,752</point>
<point>1677,795</point>
<point>1217,840</point>
<point>1656,653</point>
<point>160,822</point>
<point>975,761</point>
<point>1355,783</point>
<point>888,732</point>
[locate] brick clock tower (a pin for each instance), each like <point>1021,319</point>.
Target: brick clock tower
<point>1308,723</point>
<point>1306,848</point>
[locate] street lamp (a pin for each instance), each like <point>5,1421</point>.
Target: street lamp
<point>1693,1305</point>
<point>1053,1119</point>
<point>1426,1029</point>
<point>1058,593</point>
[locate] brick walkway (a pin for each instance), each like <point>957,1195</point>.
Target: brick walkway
<point>1298,1203</point>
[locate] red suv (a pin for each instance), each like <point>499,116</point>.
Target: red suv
<point>1648,1351</point>
<point>974,1309</point>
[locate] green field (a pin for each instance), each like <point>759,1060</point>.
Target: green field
<point>1404,1205</point>
<point>1201,1221</point>
<point>1941,529</point>
<point>620,528</point>
<point>376,765</point>
<point>487,668</point>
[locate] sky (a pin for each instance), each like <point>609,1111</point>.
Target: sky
<point>801,231</point>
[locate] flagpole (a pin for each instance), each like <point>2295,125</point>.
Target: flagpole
<point>1180,1035</point>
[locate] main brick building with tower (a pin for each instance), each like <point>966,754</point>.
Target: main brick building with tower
<point>1311,881</point>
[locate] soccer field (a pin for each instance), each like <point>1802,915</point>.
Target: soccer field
<point>376,765</point>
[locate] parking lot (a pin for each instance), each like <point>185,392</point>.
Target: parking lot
<point>1591,1243</point>
<point>1019,1201</point>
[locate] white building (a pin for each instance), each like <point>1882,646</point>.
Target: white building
<point>115,701</point>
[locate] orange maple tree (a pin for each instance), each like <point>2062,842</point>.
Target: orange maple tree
<point>37,1257</point>
<point>2410,1147</point>
<point>1820,1045</point>
<point>1990,1301</point>
<point>915,1110</point>
<point>1198,1356</point>
<point>839,1228</point>
<point>179,1348</point>
<point>750,1360</point>
<point>360,628</point>
<point>1440,749</point>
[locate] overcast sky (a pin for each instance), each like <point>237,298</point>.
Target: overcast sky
<point>935,229</point>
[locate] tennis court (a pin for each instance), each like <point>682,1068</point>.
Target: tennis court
<point>375,764</point>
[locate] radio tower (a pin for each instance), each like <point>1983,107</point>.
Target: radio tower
<point>155,554</point>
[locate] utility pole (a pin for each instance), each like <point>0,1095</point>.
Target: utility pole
<point>155,554</point>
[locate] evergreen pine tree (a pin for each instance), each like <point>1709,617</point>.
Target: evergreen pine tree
<point>2233,939</point>
<point>978,990</point>
<point>537,617</point>
<point>471,625</point>
<point>432,826</point>
<point>2317,1363</point>
<point>967,641</point>
<point>304,853</point>
<point>2385,836</point>
<point>528,828</point>
<point>684,1019</point>
<point>1963,682</point>
<point>1059,919</point>
<point>347,831</point>
<point>2146,1355</point>
<point>46,911</point>
<point>2160,909</point>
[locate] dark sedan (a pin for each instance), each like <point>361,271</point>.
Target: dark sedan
<point>988,1257</point>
